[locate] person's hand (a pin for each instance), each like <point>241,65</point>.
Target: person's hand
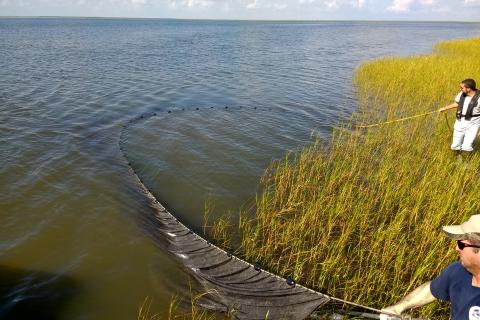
<point>390,313</point>
<point>442,109</point>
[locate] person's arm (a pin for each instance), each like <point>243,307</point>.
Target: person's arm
<point>448,107</point>
<point>417,298</point>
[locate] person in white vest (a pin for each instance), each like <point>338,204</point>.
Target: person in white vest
<point>459,283</point>
<point>467,124</point>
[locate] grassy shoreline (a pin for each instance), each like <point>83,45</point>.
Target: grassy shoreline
<point>362,220</point>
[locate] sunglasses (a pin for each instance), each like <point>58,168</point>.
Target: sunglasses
<point>461,245</point>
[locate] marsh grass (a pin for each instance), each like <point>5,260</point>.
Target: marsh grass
<point>221,229</point>
<point>187,308</point>
<point>361,219</point>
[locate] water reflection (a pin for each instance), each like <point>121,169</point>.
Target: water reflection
<point>28,294</point>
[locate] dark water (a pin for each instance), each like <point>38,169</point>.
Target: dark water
<point>74,233</point>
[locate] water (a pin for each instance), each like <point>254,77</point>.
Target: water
<point>75,238</point>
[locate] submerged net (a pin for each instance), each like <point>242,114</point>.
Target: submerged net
<point>239,288</point>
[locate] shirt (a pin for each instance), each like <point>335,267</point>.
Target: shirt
<point>476,109</point>
<point>454,284</point>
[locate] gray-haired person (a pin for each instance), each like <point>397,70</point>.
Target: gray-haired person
<point>459,283</point>
<point>467,124</point>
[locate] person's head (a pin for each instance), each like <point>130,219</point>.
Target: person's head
<point>468,85</point>
<point>467,235</point>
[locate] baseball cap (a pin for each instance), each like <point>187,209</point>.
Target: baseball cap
<point>469,230</point>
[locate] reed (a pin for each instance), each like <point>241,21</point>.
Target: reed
<point>361,218</point>
<point>187,308</point>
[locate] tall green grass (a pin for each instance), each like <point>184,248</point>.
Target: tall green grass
<point>178,309</point>
<point>360,217</point>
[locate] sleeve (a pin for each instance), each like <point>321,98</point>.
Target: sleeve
<point>440,286</point>
<point>457,98</point>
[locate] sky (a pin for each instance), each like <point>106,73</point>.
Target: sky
<point>436,10</point>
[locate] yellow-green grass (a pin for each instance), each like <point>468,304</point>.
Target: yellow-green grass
<point>177,310</point>
<point>360,217</point>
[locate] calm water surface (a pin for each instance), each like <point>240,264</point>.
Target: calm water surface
<point>75,238</point>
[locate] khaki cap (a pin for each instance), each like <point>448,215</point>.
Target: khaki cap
<point>469,230</point>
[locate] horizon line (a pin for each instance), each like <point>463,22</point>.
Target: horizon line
<point>239,19</point>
